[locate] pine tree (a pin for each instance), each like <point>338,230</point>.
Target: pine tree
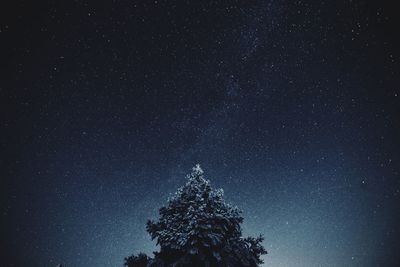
<point>198,228</point>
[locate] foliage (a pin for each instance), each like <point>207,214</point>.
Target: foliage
<point>198,228</point>
<point>140,260</point>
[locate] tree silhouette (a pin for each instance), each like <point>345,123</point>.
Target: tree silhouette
<point>198,228</point>
<point>138,261</point>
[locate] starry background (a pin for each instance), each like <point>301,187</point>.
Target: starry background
<point>291,106</point>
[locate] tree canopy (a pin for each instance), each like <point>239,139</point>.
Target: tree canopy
<point>198,228</point>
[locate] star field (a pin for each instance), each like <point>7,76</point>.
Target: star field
<point>292,107</point>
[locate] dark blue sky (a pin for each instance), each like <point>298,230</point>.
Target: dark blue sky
<point>292,107</point>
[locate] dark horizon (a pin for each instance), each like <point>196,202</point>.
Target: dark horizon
<point>292,107</point>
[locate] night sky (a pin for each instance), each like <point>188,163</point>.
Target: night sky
<point>292,107</point>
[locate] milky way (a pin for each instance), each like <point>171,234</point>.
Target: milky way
<point>292,107</point>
